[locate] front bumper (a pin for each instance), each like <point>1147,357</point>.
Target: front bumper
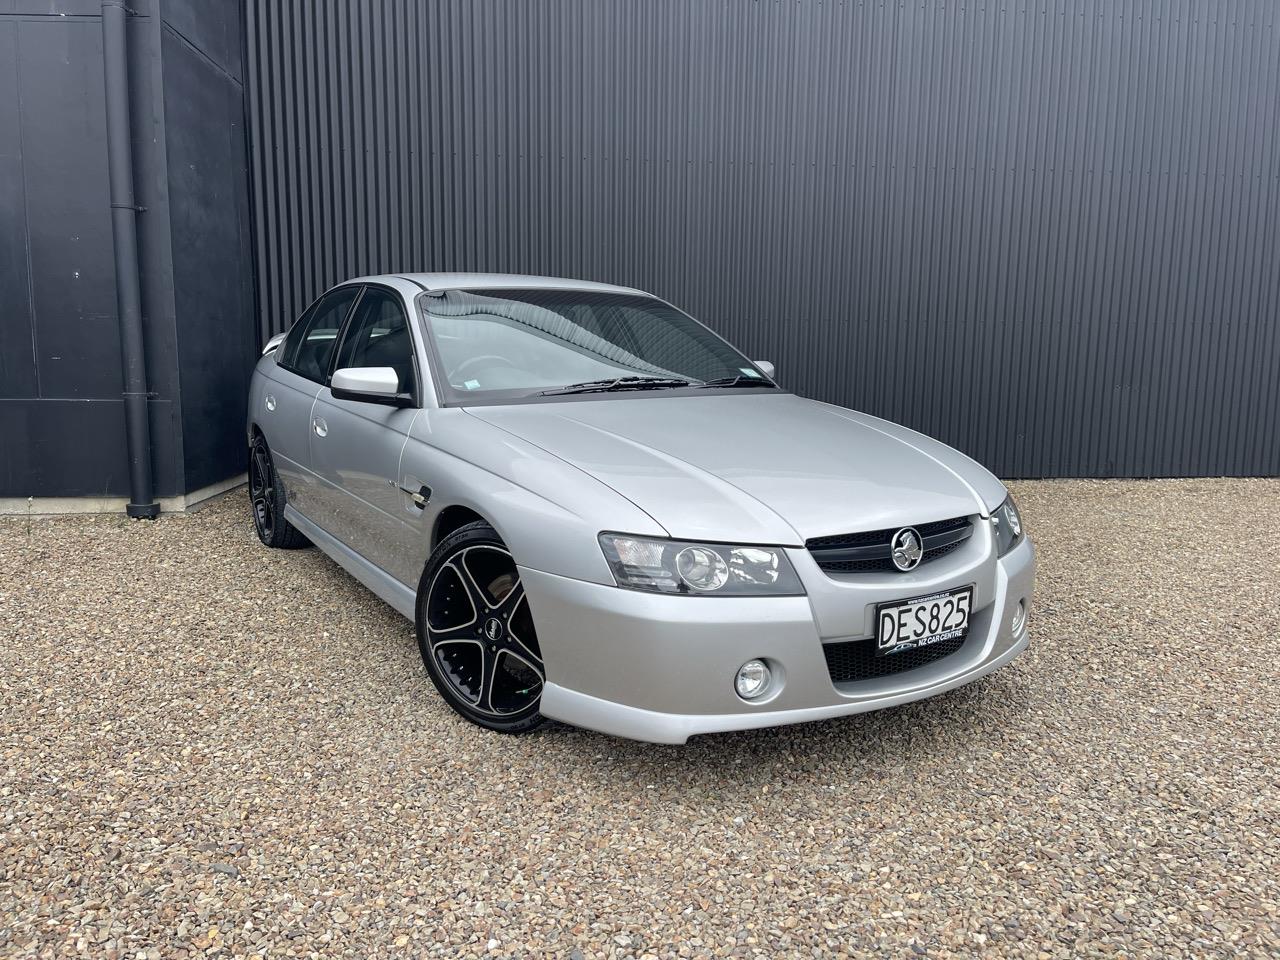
<point>660,668</point>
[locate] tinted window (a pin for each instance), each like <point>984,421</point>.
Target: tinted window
<point>526,341</point>
<point>378,336</point>
<point>311,341</point>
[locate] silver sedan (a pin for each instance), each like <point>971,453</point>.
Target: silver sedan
<point>596,510</point>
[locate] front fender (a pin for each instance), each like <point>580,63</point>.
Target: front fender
<point>548,512</point>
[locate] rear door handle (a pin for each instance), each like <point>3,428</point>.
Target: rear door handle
<point>319,426</point>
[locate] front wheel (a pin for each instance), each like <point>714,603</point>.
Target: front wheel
<point>475,632</point>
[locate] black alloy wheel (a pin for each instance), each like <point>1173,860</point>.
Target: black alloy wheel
<point>266,500</point>
<point>476,633</point>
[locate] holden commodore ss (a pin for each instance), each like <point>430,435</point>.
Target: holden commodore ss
<point>596,510</point>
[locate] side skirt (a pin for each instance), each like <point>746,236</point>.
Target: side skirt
<point>388,588</point>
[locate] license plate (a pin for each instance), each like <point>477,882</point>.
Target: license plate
<point>911,624</point>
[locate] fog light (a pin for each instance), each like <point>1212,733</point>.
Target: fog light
<point>752,680</point>
<point>1019,618</point>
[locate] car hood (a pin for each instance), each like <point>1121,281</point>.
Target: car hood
<point>763,468</point>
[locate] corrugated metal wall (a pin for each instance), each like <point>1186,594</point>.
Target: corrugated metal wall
<point>1045,232</point>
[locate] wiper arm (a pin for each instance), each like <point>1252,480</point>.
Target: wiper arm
<point>741,380</point>
<point>618,383</point>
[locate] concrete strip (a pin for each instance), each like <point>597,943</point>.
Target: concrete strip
<point>58,506</point>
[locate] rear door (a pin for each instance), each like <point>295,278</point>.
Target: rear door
<point>356,445</point>
<point>302,364</point>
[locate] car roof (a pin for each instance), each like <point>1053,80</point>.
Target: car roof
<point>481,281</point>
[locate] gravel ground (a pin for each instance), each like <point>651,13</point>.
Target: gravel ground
<point>207,748</point>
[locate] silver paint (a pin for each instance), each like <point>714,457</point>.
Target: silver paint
<point>753,467</point>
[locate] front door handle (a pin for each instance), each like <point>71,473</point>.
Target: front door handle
<point>319,426</point>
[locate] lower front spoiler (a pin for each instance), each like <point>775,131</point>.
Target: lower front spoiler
<point>636,723</point>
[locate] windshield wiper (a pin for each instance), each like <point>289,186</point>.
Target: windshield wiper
<point>741,380</point>
<point>618,383</point>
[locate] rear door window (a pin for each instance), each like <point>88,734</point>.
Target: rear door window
<point>311,342</point>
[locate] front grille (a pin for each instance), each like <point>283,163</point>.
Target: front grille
<point>855,660</point>
<point>871,550</point>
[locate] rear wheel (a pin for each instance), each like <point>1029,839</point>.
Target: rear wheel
<point>476,634</point>
<point>266,500</point>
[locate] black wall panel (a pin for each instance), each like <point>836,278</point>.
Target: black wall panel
<point>1046,232</point>
<point>61,420</point>
<point>73,448</point>
<point>17,331</point>
<point>212,266</point>
<point>69,266</point>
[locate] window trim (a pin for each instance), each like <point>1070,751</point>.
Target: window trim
<point>286,363</point>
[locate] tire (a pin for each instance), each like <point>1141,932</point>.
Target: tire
<point>476,634</point>
<point>266,501</point>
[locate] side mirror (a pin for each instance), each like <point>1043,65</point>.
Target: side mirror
<point>370,385</point>
<point>766,366</point>
<point>274,342</point>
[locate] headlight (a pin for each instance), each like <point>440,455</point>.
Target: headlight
<point>1008,526</point>
<point>709,569</point>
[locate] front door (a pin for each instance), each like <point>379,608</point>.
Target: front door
<point>356,445</point>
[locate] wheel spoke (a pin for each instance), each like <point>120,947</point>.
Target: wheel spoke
<point>480,600</point>
<point>262,512</point>
<point>519,627</point>
<point>446,573</point>
<point>507,606</point>
<point>536,668</point>
<point>490,666</point>
<point>262,471</point>
<point>466,666</point>
<point>515,692</point>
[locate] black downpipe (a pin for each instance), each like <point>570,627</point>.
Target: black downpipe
<point>115,60</point>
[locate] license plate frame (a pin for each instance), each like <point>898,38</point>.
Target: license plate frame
<point>888,642</point>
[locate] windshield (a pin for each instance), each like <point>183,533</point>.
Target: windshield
<point>508,344</point>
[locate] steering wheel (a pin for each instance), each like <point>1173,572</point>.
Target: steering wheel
<point>457,372</point>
